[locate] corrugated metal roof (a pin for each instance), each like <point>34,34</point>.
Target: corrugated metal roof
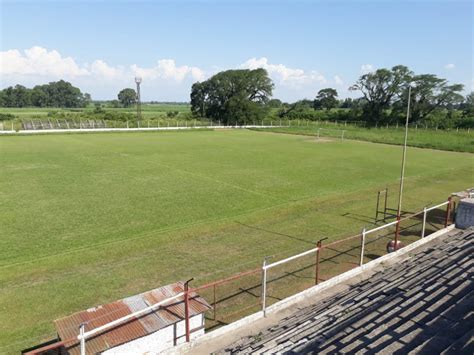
<point>151,322</point>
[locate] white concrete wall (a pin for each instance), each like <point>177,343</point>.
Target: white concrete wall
<point>160,340</point>
<point>78,130</point>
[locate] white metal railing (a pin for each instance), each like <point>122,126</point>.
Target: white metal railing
<point>283,261</point>
<point>425,210</point>
<point>363,235</point>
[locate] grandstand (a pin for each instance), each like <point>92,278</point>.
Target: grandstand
<point>421,303</point>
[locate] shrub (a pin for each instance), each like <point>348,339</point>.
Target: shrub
<point>171,114</point>
<point>6,116</point>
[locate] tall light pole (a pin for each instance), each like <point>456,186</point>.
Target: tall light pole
<point>138,81</point>
<point>402,173</point>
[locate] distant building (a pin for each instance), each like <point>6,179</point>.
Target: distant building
<point>154,331</point>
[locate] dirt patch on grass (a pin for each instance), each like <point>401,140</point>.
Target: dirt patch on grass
<point>319,140</point>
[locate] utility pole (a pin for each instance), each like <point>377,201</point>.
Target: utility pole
<point>138,81</point>
<point>402,173</point>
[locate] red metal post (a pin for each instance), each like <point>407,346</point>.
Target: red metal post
<point>397,232</point>
<point>448,210</point>
<point>318,252</point>
<point>215,305</point>
<point>186,314</point>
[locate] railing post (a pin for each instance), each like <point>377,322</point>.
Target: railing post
<point>424,223</point>
<point>215,304</point>
<point>377,207</point>
<point>83,340</point>
<point>362,247</point>
<point>397,232</point>
<point>318,252</point>
<point>264,286</point>
<point>186,309</point>
<point>448,210</point>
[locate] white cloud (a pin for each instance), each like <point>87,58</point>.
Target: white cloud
<point>449,66</point>
<point>167,69</point>
<point>366,68</point>
<point>283,74</point>
<point>50,64</point>
<point>39,61</point>
<point>338,80</point>
<point>101,69</point>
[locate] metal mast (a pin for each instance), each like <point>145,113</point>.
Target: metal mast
<point>138,81</point>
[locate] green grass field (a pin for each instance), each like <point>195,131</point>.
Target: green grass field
<point>459,141</point>
<point>90,218</point>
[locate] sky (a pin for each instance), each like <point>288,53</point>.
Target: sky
<point>100,46</point>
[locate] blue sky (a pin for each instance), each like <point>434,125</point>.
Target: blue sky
<point>305,45</point>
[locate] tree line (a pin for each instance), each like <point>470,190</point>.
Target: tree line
<point>243,96</point>
<point>54,94</point>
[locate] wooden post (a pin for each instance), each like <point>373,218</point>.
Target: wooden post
<point>448,210</point>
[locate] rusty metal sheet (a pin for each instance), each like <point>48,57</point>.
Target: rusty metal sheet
<point>151,322</point>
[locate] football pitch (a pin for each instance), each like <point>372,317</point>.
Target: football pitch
<point>90,218</point>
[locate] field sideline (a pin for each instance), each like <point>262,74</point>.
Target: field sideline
<point>87,219</point>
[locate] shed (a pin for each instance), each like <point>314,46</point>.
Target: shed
<point>154,331</point>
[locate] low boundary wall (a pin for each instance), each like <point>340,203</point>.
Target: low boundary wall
<point>292,300</point>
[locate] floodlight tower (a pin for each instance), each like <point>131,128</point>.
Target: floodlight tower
<point>138,81</point>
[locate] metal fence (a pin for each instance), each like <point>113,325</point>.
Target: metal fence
<point>247,292</point>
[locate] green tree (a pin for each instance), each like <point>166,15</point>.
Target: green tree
<point>468,105</point>
<point>114,103</point>
<point>39,97</point>
<point>86,100</point>
<point>55,94</point>
<point>326,99</point>
<point>58,94</point>
<point>233,96</point>
<point>127,97</point>
<point>199,96</point>
<point>17,96</point>
<point>380,89</point>
<point>3,98</point>
<point>274,103</point>
<point>429,93</point>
